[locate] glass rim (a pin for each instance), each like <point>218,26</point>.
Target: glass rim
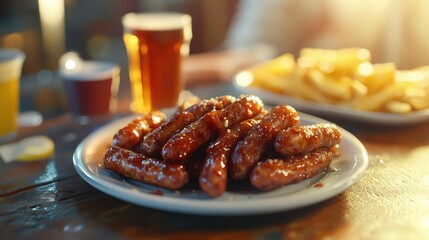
<point>156,20</point>
<point>92,71</point>
<point>11,54</point>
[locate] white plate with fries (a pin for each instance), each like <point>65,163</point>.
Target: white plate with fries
<point>330,110</point>
<point>341,83</point>
<point>343,172</point>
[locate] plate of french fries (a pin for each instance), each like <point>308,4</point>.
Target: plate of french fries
<point>343,83</point>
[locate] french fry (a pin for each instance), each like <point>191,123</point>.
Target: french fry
<point>376,76</point>
<point>345,77</point>
<point>272,82</point>
<point>342,61</point>
<point>358,88</point>
<point>417,91</point>
<point>395,106</point>
<point>306,91</point>
<point>424,70</point>
<point>333,88</point>
<point>282,65</point>
<point>275,74</point>
<point>376,101</point>
<point>416,97</point>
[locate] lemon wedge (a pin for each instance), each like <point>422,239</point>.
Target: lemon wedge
<point>29,149</point>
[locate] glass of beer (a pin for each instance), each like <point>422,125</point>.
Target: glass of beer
<point>11,61</point>
<point>156,45</point>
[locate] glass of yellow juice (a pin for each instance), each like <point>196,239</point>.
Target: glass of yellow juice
<point>11,61</point>
<point>156,45</point>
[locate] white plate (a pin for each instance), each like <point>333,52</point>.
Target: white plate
<point>345,170</point>
<point>323,109</point>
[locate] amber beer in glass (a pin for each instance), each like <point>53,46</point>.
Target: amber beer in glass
<point>156,45</point>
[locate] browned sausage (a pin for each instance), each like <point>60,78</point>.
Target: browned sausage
<point>154,141</point>
<point>130,135</point>
<point>251,149</point>
<point>306,138</point>
<point>213,177</point>
<point>274,173</point>
<point>335,150</point>
<point>149,170</point>
<point>181,145</point>
<point>195,163</point>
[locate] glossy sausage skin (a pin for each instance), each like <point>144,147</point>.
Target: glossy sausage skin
<point>148,170</point>
<point>181,145</point>
<point>213,177</point>
<point>154,141</point>
<point>306,138</point>
<point>130,135</point>
<point>274,173</point>
<point>260,139</point>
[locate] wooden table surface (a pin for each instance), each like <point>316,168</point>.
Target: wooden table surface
<point>49,200</point>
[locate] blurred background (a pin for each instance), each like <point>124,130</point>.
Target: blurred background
<point>46,29</point>
<point>392,30</point>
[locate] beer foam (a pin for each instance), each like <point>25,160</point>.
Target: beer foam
<point>156,21</point>
<point>91,71</point>
<point>11,61</point>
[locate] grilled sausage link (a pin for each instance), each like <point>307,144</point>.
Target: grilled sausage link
<point>181,145</point>
<point>274,173</point>
<point>306,138</point>
<point>213,177</point>
<point>154,141</point>
<point>130,135</point>
<point>149,170</point>
<point>251,149</point>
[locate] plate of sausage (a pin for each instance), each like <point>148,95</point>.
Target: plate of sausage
<point>222,156</point>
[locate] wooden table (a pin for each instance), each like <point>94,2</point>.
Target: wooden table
<point>49,200</point>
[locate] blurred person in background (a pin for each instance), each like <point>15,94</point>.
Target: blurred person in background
<point>393,30</point>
